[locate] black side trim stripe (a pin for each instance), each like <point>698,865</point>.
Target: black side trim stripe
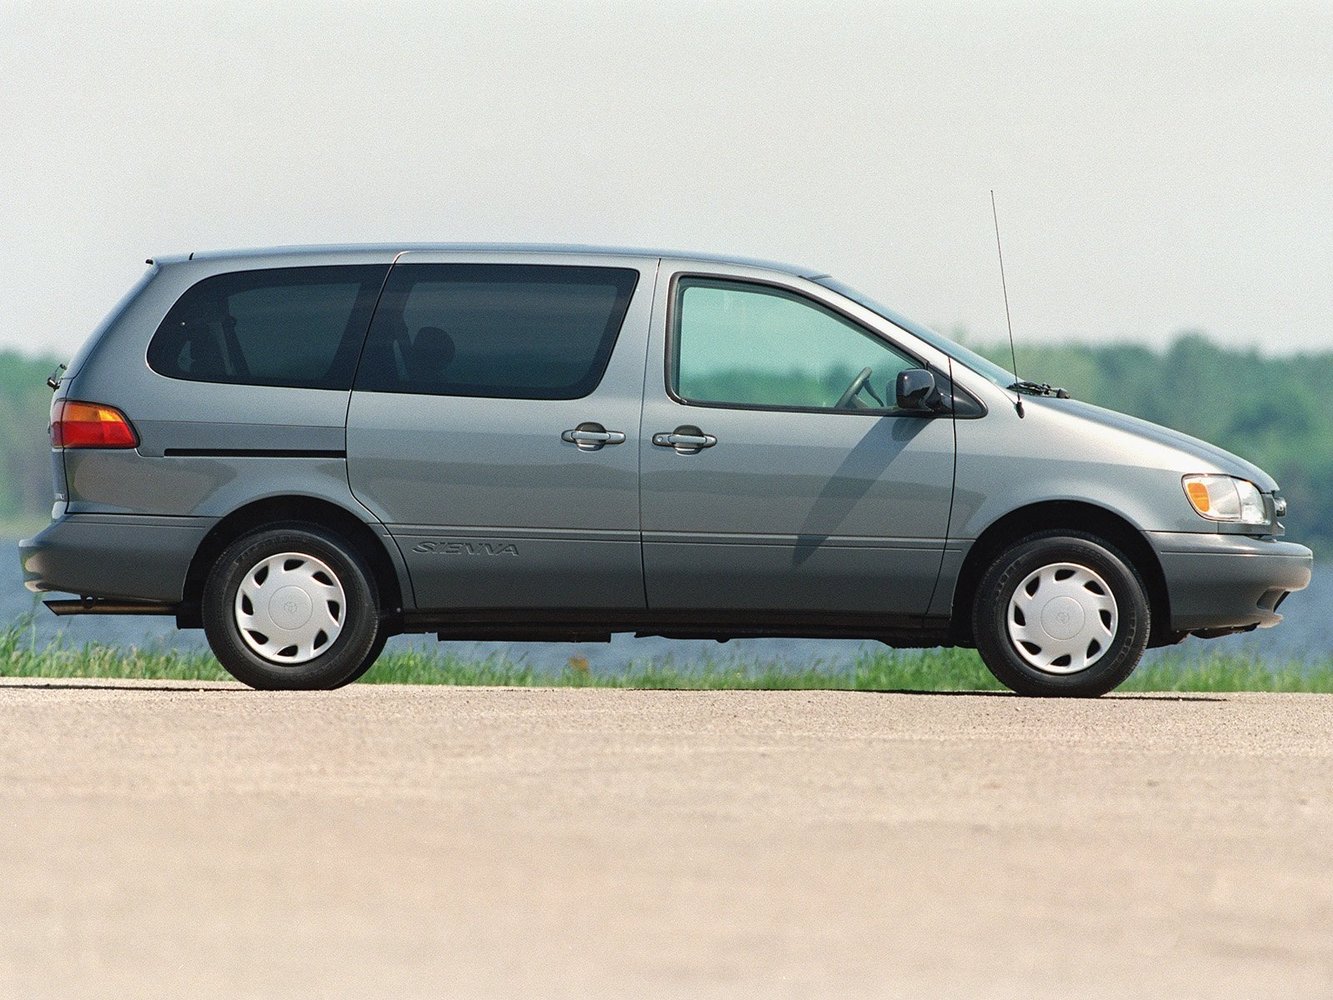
<point>251,453</point>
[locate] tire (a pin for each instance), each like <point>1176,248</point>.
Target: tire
<point>292,607</point>
<point>370,659</point>
<point>1061,614</point>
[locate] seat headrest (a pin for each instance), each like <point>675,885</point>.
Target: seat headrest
<point>432,351</point>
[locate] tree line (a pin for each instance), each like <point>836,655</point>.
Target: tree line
<point>26,488</point>
<point>1274,411</point>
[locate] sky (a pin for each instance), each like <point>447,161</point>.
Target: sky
<point>1157,167</point>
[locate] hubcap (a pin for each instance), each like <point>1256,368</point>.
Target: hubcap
<point>290,608</point>
<point>1062,618</point>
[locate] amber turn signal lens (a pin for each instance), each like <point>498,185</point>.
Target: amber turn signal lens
<point>1198,494</point>
<point>90,425</point>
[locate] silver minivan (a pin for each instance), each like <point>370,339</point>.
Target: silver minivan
<point>306,451</point>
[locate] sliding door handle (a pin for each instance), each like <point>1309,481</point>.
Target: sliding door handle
<point>590,436</point>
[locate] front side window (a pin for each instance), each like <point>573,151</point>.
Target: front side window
<point>294,326</point>
<point>510,331</point>
<point>981,365</point>
<point>739,344</point>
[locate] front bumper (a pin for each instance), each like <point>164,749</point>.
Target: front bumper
<point>114,555</point>
<point>1217,581</point>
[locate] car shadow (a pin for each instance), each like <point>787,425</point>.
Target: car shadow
<point>80,686</point>
<point>1165,696</point>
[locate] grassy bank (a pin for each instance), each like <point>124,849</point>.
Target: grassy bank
<point>886,670</point>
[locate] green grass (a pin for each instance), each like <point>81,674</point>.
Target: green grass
<point>1181,671</point>
<point>886,670</point>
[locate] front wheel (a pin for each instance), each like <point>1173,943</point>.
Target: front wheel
<point>1061,614</point>
<point>292,607</point>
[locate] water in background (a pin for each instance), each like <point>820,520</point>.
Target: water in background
<point>1306,634</point>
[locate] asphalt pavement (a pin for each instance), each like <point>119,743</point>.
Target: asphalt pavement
<point>201,840</point>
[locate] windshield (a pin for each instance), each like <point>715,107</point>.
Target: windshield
<point>982,366</point>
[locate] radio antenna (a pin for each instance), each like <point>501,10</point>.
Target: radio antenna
<point>1013,356</point>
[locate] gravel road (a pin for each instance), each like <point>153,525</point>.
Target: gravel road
<point>199,840</point>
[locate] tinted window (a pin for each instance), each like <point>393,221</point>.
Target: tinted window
<point>293,326</point>
<point>513,331</point>
<point>751,345</point>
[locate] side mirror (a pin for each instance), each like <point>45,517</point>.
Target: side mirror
<point>916,391</point>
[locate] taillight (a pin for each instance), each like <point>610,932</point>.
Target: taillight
<point>90,425</point>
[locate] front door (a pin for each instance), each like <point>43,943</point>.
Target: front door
<point>493,423</point>
<point>777,474</point>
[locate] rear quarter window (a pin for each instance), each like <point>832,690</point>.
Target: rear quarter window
<point>301,327</point>
<point>513,331</point>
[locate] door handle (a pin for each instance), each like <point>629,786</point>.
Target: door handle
<point>686,439</point>
<point>591,436</point>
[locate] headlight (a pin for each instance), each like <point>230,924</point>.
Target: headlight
<point>1225,498</point>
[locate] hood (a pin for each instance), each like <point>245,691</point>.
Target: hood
<point>1212,458</point>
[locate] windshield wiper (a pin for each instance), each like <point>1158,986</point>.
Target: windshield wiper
<point>1039,389</point>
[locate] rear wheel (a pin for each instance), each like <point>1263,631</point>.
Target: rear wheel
<point>1061,614</point>
<point>292,607</point>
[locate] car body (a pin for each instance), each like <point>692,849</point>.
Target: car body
<point>531,442</point>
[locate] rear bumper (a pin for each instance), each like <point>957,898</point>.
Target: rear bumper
<point>1228,581</point>
<point>114,555</point>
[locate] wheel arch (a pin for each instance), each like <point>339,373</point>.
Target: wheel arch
<point>306,509</point>
<point>1069,515</point>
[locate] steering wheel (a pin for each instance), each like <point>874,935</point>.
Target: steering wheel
<point>858,383</point>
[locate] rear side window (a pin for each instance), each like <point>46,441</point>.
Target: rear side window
<point>295,326</point>
<point>513,331</point>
